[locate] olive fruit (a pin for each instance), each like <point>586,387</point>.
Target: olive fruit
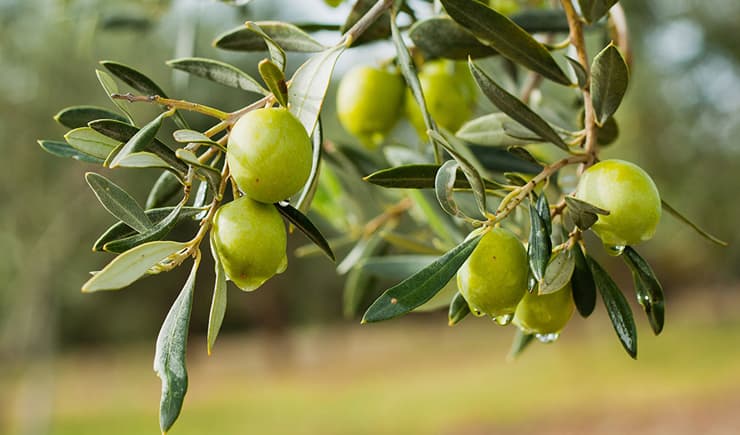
<point>545,314</point>
<point>494,278</point>
<point>249,238</point>
<point>630,196</point>
<point>449,93</point>
<point>369,102</point>
<point>269,154</point>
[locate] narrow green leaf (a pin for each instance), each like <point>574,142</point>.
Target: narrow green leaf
<point>580,72</point>
<point>88,141</point>
<point>277,55</point>
<point>143,159</point>
<point>617,307</point>
<point>218,303</point>
<point>442,37</point>
<point>141,140</point>
<point>219,72</point>
<point>63,149</point>
<point>419,176</point>
<point>79,116</point>
<point>111,87</point>
<point>287,36</point>
<point>309,190</point>
<point>309,84</point>
<point>443,188</point>
<point>539,246</point>
<point>543,211</point>
<point>120,230</point>
<point>521,341</point>
<point>156,232</point>
<point>538,20</point>
<point>648,288</point>
<point>515,108</point>
<point>141,83</point>
<point>164,189</point>
<point>489,130</point>
<point>459,309</point>
<point>558,273</point>
<point>395,266</point>
<point>169,357</point>
<point>681,217</point>
<point>456,148</point>
<point>609,79</point>
<point>582,282</point>
<point>422,286</point>
<point>506,37</point>
<point>498,160</point>
<point>356,287</point>
<point>437,220</point>
<point>122,132</point>
<point>211,174</point>
<point>307,227</point>
<point>362,249</point>
<point>118,202</point>
<point>584,214</point>
<point>131,265</point>
<point>192,136</point>
<point>593,10</point>
<point>274,77</point>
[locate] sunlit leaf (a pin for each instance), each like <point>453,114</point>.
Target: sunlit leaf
<point>303,203</point>
<point>192,136</point>
<point>141,140</point>
<point>111,87</point>
<point>90,142</point>
<point>274,77</point>
<point>489,130</point>
<point>277,54</point>
<point>417,289</point>
<point>218,302</point>
<point>131,265</point>
<point>63,149</point>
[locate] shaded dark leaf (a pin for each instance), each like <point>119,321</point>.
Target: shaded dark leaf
<point>306,226</point>
<point>118,202</point>
<point>593,10</point>
<point>609,79</point>
<point>582,282</point>
<point>419,176</point>
<point>79,116</point>
<point>164,189</point>
<point>288,36</point>
<point>141,140</point>
<point>459,309</point>
<point>521,341</point>
<point>498,160</point>
<point>584,214</point>
<point>156,232</point>
<point>539,246</point>
<point>63,149</point>
<point>648,288</point>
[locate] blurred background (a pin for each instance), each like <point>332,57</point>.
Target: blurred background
<point>287,361</point>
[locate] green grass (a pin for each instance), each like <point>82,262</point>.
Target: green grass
<point>403,377</point>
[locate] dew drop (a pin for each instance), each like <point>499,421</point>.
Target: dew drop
<point>503,320</point>
<point>476,311</point>
<point>615,250</point>
<point>547,338</point>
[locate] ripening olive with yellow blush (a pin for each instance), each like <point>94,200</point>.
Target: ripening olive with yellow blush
<point>269,154</point>
<point>630,196</point>
<point>250,240</point>
<point>545,314</point>
<point>450,94</point>
<point>494,278</point>
<point>369,103</point>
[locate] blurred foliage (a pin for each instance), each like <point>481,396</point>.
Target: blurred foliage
<point>681,123</point>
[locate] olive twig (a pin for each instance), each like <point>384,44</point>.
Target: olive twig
<point>174,104</point>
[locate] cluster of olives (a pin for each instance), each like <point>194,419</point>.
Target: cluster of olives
<point>494,278</point>
<point>269,156</point>
<point>371,100</point>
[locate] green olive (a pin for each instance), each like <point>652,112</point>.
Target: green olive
<point>629,194</point>
<point>450,94</point>
<point>269,154</point>
<point>545,314</point>
<point>250,240</point>
<point>369,103</point>
<point>494,278</point>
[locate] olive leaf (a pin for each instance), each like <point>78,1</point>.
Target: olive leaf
<point>419,176</point>
<point>218,303</point>
<point>156,232</point>
<point>192,136</point>
<point>514,107</point>
<point>288,36</point>
<point>444,183</point>
<point>459,309</point>
<point>303,223</point>
<point>395,266</point>
<point>63,149</point>
<point>506,37</point>
<point>593,10</point>
<point>131,265</point>
<point>521,341</point>
<point>211,174</point>
<point>681,217</point>
<point>309,84</point>
<point>89,142</point>
<point>218,72</point>
<point>558,273</point>
<point>169,357</point>
<point>141,140</point>
<point>164,189</point>
<point>617,307</point>
<point>79,116</point>
<point>648,288</point>
<point>540,245</point>
<point>274,77</point>
<point>111,87</point>
<point>356,286</point>
<point>420,287</point>
<point>609,79</point>
<point>303,203</point>
<point>118,202</point>
<point>582,283</point>
<point>499,160</point>
<point>443,37</point>
<point>579,71</point>
<point>277,54</point>
<point>362,249</point>
<point>583,213</point>
<point>489,130</point>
